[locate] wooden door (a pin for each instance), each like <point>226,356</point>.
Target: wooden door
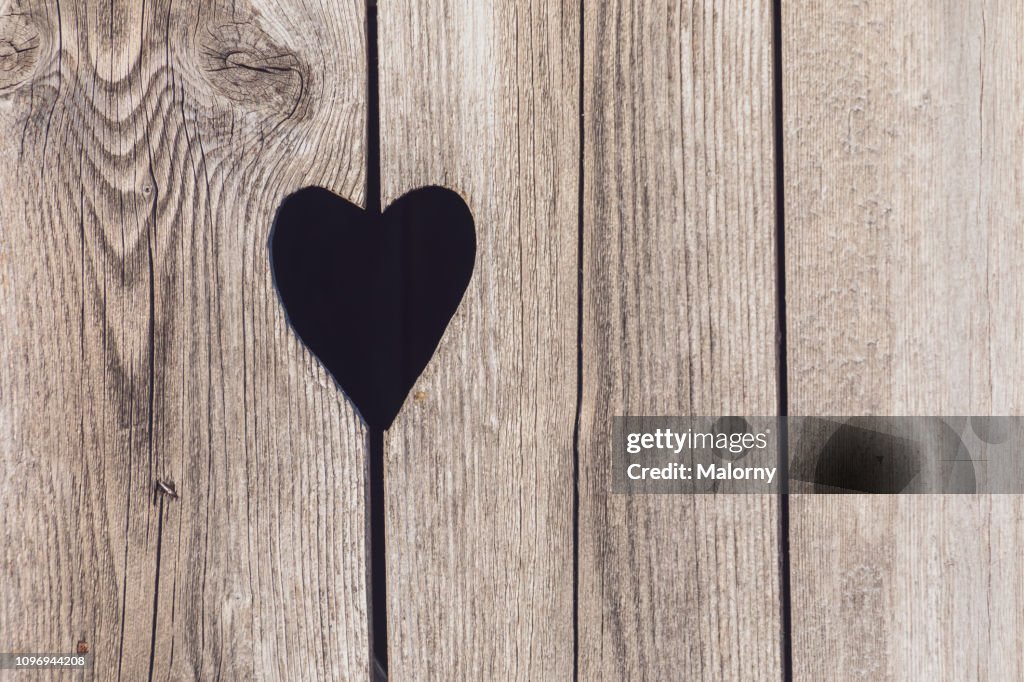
<point>183,485</point>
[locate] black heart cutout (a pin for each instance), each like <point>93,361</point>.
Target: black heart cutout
<point>370,294</point>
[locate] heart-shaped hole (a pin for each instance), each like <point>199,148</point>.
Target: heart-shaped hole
<point>371,293</point>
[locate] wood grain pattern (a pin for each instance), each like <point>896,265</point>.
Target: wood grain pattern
<point>145,148</point>
<point>679,318</point>
<point>904,203</point>
<point>481,97</point>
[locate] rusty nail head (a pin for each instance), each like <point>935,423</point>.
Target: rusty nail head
<point>167,488</point>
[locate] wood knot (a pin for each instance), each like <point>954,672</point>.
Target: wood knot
<point>82,647</point>
<point>247,66</point>
<point>19,50</point>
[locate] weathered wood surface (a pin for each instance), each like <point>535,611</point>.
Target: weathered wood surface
<point>904,155</point>
<point>679,318</point>
<point>482,97</point>
<point>145,147</point>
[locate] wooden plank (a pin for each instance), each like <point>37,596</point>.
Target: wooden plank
<point>679,318</point>
<point>481,97</point>
<point>904,153</point>
<point>145,150</point>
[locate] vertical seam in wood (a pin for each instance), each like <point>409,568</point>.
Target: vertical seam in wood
<point>376,592</point>
<point>156,585</point>
<point>781,378</point>
<point>579,363</point>
<point>372,201</point>
<point>376,548</point>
